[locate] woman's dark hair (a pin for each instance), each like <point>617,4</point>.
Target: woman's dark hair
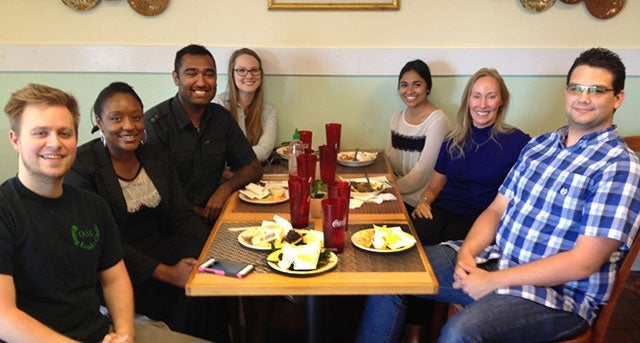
<point>111,90</point>
<point>419,67</point>
<point>106,94</point>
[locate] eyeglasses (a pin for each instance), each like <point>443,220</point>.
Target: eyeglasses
<point>591,89</point>
<point>244,71</point>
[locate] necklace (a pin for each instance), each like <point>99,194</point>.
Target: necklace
<point>478,145</point>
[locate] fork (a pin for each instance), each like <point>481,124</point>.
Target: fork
<point>366,176</point>
<point>355,155</point>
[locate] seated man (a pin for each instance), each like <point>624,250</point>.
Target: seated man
<point>57,243</point>
<point>559,226</point>
<point>201,137</point>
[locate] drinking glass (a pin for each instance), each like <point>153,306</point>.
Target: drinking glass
<point>299,195</point>
<point>328,163</point>
<point>334,223</point>
<point>332,131</point>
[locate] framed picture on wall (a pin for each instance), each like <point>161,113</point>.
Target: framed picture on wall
<point>334,4</point>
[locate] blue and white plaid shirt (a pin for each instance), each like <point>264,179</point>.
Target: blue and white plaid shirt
<point>558,193</point>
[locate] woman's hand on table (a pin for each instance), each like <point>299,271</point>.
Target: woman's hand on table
<point>177,274</point>
<point>422,210</point>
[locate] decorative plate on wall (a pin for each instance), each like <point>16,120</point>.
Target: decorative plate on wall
<point>148,7</point>
<point>537,5</point>
<point>81,5</point>
<point>604,9</point>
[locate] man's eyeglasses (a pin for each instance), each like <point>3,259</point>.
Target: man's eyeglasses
<point>244,71</point>
<point>591,90</point>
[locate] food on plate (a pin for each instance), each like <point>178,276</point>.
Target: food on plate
<point>363,156</point>
<point>363,187</point>
<point>300,257</point>
<point>277,193</point>
<point>273,234</point>
<point>261,192</point>
<point>390,237</point>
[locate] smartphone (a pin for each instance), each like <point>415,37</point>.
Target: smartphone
<point>226,267</point>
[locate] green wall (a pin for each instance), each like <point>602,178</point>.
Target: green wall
<point>362,104</point>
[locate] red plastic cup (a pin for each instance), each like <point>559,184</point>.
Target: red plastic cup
<point>307,167</point>
<point>305,137</point>
<point>333,134</point>
<point>328,161</point>
<point>334,223</point>
<point>341,190</point>
<point>299,196</point>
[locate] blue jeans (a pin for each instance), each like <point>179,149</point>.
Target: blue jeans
<point>493,318</point>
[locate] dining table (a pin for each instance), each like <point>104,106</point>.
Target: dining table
<point>358,271</point>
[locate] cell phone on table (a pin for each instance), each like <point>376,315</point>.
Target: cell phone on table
<point>226,267</point>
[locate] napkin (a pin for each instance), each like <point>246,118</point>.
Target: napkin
<point>254,191</point>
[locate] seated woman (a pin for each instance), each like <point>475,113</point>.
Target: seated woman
<point>244,99</point>
<point>161,233</point>
<point>471,166</point>
<point>416,133</point>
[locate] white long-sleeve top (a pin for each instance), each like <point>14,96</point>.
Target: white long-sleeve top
<point>413,151</point>
<point>267,141</point>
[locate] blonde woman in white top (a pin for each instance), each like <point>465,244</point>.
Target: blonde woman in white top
<point>245,100</point>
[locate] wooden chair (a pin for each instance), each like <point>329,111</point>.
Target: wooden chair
<point>597,332</point>
<point>633,142</point>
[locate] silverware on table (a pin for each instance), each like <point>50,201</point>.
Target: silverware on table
<point>355,155</point>
<point>366,176</point>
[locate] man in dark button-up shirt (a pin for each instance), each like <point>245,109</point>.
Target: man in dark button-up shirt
<point>201,137</point>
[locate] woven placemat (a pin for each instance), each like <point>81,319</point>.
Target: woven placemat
<point>379,166</point>
<point>385,207</point>
<point>352,259</point>
<point>245,207</point>
<point>366,208</point>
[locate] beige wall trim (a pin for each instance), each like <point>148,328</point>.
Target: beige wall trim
<point>299,61</point>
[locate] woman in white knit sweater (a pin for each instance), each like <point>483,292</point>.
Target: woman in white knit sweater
<point>416,133</point>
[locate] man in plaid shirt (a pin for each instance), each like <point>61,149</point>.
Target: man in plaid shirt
<point>542,258</point>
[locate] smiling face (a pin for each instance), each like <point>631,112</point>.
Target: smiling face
<point>485,101</point>
<point>196,80</point>
<point>413,89</point>
<point>122,123</point>
<point>589,113</point>
<point>248,83</point>
<point>46,144</point>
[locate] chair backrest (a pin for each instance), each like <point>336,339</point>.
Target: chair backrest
<point>602,322</point>
<point>633,142</point>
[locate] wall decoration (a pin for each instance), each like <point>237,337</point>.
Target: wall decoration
<point>604,9</point>
<point>80,5</point>
<point>334,4</point>
<point>143,7</point>
<point>537,5</point>
<point>601,9</point>
<point>148,7</point>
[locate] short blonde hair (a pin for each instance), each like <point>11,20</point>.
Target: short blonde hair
<point>36,94</point>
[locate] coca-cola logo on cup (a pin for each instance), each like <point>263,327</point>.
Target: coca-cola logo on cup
<point>338,223</point>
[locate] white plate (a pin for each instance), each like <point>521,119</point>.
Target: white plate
<point>282,153</point>
<point>363,238</point>
<point>375,184</point>
<point>333,261</point>
<point>268,200</point>
<point>245,238</point>
<point>345,158</point>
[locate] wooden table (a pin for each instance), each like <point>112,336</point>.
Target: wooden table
<point>358,272</point>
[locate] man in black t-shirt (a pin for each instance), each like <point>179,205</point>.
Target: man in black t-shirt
<point>57,243</point>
